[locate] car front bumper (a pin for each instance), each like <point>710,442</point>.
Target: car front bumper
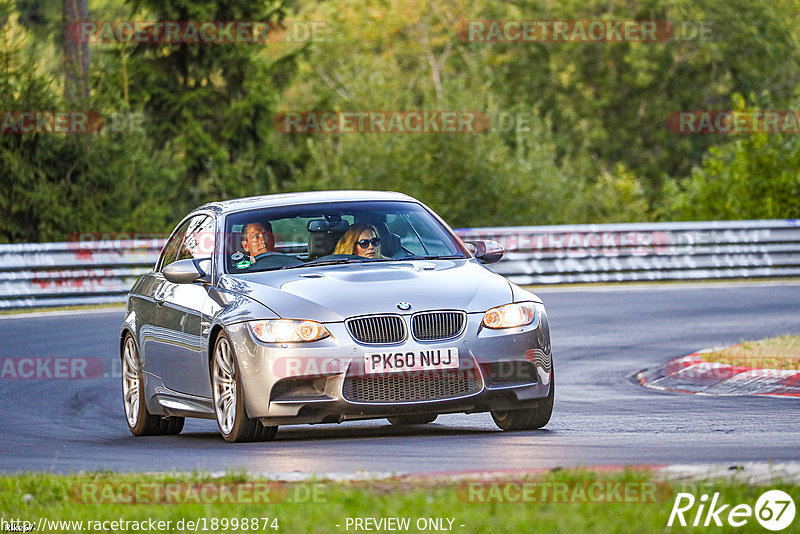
<point>324,381</point>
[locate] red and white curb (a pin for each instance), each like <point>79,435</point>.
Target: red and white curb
<point>692,374</point>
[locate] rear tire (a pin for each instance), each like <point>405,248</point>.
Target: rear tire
<point>421,419</point>
<point>529,418</point>
<point>226,385</point>
<point>140,421</point>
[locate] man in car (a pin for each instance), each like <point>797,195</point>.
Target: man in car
<point>258,239</point>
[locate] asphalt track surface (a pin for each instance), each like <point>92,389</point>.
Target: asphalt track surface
<point>600,338</point>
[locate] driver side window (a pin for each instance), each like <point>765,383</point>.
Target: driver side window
<point>170,253</point>
<point>199,241</point>
<point>193,239</point>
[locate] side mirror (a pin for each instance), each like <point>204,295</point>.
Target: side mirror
<point>187,271</point>
<point>486,251</point>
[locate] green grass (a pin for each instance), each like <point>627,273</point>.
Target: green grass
<point>781,352</point>
<point>62,497</point>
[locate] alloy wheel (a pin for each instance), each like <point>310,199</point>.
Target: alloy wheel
<point>130,382</point>
<point>224,386</point>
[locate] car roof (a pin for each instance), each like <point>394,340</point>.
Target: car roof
<point>310,197</point>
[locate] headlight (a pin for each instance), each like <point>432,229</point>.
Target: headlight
<point>510,315</point>
<point>288,331</point>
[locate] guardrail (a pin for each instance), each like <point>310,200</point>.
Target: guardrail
<point>75,272</point>
<point>54,274</point>
<point>646,251</point>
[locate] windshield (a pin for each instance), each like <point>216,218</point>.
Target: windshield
<point>329,233</point>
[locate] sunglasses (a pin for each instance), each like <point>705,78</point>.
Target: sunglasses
<point>364,243</point>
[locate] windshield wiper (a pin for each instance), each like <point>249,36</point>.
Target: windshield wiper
<point>450,257</point>
<point>313,263</point>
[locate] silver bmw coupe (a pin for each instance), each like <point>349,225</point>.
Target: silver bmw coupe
<point>327,307</point>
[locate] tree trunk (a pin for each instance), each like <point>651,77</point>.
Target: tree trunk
<point>76,54</point>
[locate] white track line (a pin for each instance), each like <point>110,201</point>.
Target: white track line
<point>61,313</point>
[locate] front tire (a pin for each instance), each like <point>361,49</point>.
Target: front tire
<point>140,421</point>
<point>528,418</point>
<point>226,384</point>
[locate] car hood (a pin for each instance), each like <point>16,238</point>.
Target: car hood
<point>335,292</point>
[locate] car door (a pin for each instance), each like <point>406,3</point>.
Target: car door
<point>154,341</point>
<point>180,358</point>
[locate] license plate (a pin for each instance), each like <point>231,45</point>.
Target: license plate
<point>411,360</point>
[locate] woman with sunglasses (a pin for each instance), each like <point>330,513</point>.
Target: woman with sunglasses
<point>361,239</point>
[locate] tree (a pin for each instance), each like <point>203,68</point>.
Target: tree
<point>55,185</point>
<point>754,176</point>
<point>406,60</point>
<point>211,103</point>
<point>76,54</point>
<point>612,100</point>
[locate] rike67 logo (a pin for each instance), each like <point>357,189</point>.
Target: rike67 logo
<point>774,510</point>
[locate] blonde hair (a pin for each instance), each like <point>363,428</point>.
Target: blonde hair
<point>347,244</point>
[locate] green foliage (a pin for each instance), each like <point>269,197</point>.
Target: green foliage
<point>30,190</point>
<point>211,103</point>
<point>594,147</point>
<point>617,196</point>
<point>55,185</point>
<point>612,100</point>
<point>753,177</point>
<point>561,500</point>
<point>501,176</point>
<point>475,180</point>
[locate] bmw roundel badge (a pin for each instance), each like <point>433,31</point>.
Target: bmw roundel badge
<point>405,306</point>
